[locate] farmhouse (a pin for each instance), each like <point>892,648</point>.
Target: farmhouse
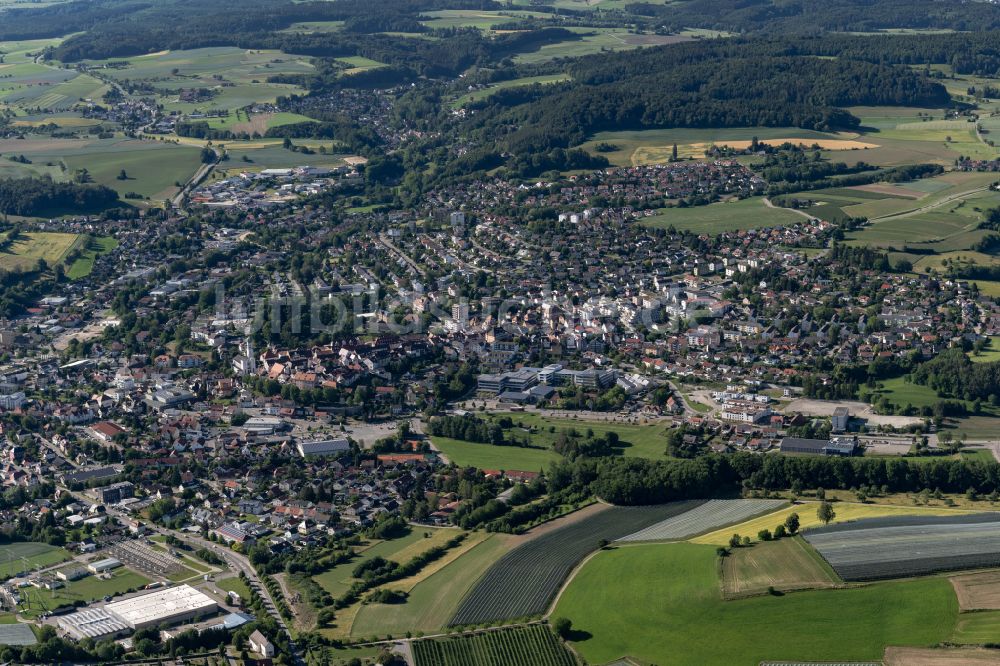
<point>260,645</point>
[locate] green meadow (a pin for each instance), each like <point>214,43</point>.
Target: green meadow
<point>725,216</point>
<point>668,609</point>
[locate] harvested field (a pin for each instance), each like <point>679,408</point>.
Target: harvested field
<point>705,518</point>
<point>825,144</point>
<point>979,591</point>
<point>524,581</point>
<point>909,545</point>
<point>899,656</point>
<point>786,564</point>
<point>885,188</point>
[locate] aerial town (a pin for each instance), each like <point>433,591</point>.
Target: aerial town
<point>467,333</point>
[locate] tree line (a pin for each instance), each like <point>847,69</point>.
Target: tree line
<point>638,481</point>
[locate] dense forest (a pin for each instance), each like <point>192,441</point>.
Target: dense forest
<point>954,375</point>
<point>43,196</point>
<point>728,83</point>
<point>812,16</point>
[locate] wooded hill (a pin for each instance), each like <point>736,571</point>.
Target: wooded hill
<point>721,83</point>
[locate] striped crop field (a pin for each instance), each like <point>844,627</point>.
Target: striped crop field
<point>524,581</point>
<point>709,516</point>
<point>533,645</point>
<point>909,546</point>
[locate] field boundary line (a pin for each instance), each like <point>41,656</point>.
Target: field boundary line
<point>929,207</point>
<point>569,579</point>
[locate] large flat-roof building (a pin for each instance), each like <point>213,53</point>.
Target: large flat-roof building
<point>327,447</point>
<point>168,605</point>
<point>95,623</point>
<point>165,606</point>
<point>838,446</point>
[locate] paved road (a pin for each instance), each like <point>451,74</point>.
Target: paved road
<point>195,180</point>
<point>384,239</point>
<point>767,202</point>
<point>931,206</point>
<point>235,561</point>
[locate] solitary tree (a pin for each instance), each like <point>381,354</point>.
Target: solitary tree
<point>792,523</point>
<point>562,626</point>
<point>826,513</point>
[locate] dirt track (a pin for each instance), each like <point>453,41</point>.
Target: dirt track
<point>896,656</point>
<point>862,410</point>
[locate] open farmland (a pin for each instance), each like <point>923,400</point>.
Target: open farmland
<point>726,216</point>
<point>151,167</point>
<point>909,135</point>
<point>899,656</point>
<point>979,628</point>
<point>433,600</point>
<point>471,18</point>
<point>660,603</point>
<point>846,511</point>
<point>786,564</point>
<point>338,580</point>
<point>596,40</point>
<point>483,93</point>
<point>709,516</point>
<point>909,546</point>
<point>524,581</point>
<point>24,252</point>
<point>636,147</point>
<point>533,645</point>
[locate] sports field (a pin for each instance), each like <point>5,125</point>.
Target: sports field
<point>668,610</point>
<point>22,556</point>
<point>36,601</point>
<point>725,216</point>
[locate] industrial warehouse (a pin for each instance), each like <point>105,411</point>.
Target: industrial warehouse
<point>165,606</point>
